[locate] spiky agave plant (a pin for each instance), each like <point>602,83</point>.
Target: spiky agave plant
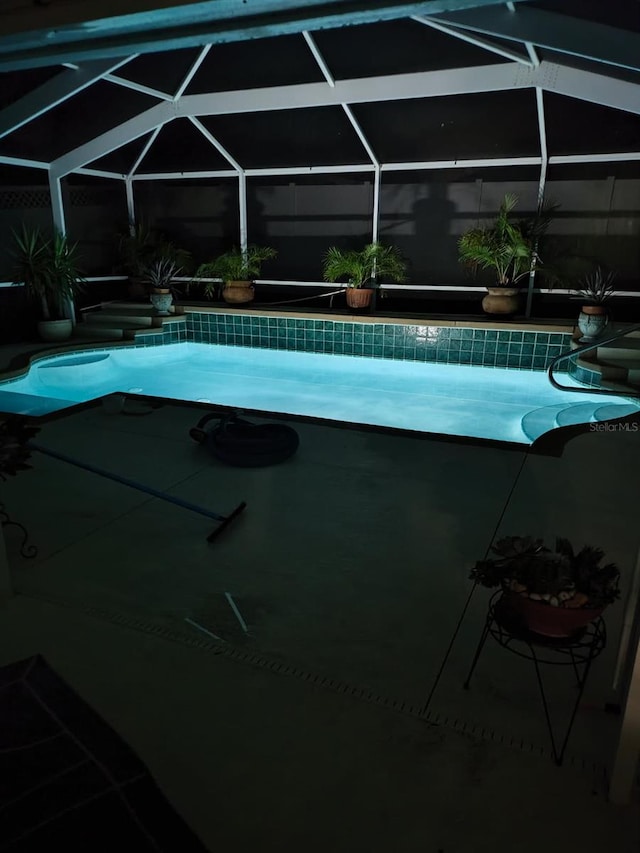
<point>161,273</point>
<point>509,246</point>
<point>359,268</point>
<point>598,287</point>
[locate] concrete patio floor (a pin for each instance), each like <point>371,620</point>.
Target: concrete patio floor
<point>340,720</point>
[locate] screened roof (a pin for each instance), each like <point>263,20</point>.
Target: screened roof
<point>496,84</point>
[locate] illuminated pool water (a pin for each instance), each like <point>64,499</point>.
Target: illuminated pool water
<point>463,400</point>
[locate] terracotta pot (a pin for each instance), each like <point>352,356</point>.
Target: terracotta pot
<point>238,292</point>
<point>138,288</point>
<point>501,300</point>
<point>359,297</point>
<point>542,618</point>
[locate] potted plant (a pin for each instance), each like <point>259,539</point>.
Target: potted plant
<point>596,291</point>
<point>509,248</point>
<point>237,268</point>
<point>160,275</point>
<point>139,247</point>
<point>49,271</point>
<point>360,267</point>
<point>554,592</point>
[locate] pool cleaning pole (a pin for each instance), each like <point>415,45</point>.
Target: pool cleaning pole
<point>223,519</point>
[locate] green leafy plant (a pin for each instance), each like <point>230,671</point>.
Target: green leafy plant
<point>233,265</point>
<point>140,246</point>
<point>509,246</point>
<point>562,577</point>
<point>598,287</point>
<point>47,268</point>
<point>360,267</point>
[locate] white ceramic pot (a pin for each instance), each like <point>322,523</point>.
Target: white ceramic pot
<point>592,322</point>
<point>161,301</point>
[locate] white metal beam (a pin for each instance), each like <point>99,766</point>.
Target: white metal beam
<point>116,137</point>
<point>242,209</point>
<point>217,145</point>
<point>460,164</point>
<point>587,39</point>
<point>544,160</point>
<point>57,206</point>
<point>574,82</point>
<point>584,85</point>
<point>52,32</point>
<point>533,53</point>
<point>131,206</point>
<point>101,173</point>
<point>179,176</point>
<point>137,87</point>
<point>589,86</point>
<point>363,139</point>
<point>23,161</point>
<point>618,157</point>
<point>394,87</point>
<point>475,40</point>
<point>144,151</point>
<point>54,92</point>
<point>625,156</point>
<point>242,179</point>
<point>375,229</point>
<point>319,58</point>
<point>192,71</point>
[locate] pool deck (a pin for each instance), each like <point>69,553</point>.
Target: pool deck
<point>340,721</point>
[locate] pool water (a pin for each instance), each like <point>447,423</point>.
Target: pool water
<point>461,400</point>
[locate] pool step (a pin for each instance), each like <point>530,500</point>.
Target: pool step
<point>117,321</point>
<point>579,413</point>
<point>616,364</point>
<point>541,420</point>
<point>536,423</point>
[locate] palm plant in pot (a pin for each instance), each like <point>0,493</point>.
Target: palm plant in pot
<point>237,268</point>
<point>360,268</point>
<point>554,592</point>
<point>509,248</point>
<point>596,291</point>
<point>160,275</point>
<point>49,271</point>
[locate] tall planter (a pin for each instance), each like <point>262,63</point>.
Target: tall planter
<point>501,300</point>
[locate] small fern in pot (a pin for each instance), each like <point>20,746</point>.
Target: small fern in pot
<point>237,268</point>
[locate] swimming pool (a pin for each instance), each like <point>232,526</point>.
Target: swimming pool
<point>462,400</point>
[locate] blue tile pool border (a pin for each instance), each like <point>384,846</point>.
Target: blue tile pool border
<point>509,348</point>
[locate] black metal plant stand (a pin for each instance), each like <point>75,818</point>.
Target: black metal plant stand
<point>578,651</point>
<point>26,549</point>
